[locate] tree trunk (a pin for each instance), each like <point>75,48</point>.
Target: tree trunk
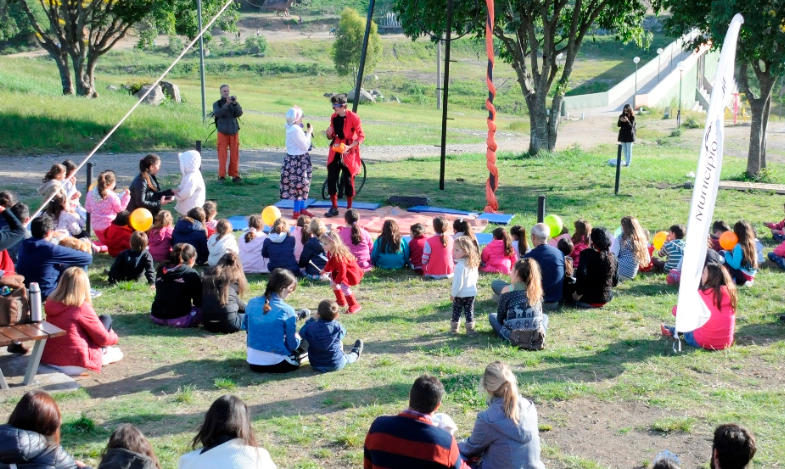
<point>65,73</point>
<point>538,120</point>
<point>84,70</point>
<point>760,107</point>
<point>756,143</point>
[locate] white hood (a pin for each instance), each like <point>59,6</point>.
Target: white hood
<point>219,247</point>
<point>251,253</point>
<point>192,190</point>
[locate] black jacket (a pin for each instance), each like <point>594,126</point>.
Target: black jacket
<point>177,288</point>
<point>145,196</point>
<point>596,278</point>
<point>192,232</point>
<point>15,233</point>
<point>132,265</point>
<point>627,129</point>
<point>226,117</point>
<point>31,450</point>
<point>313,251</point>
<point>211,304</point>
<point>119,458</point>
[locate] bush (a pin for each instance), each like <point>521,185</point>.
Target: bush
<point>176,45</point>
<point>256,45</point>
<point>134,87</point>
<point>691,123</point>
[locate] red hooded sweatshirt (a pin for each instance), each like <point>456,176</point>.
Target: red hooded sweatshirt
<point>83,339</point>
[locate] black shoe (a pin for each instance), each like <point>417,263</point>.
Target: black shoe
<point>18,349</point>
<point>237,180</point>
<point>782,318</point>
<point>302,313</point>
<point>333,212</point>
<point>221,179</point>
<point>358,347</point>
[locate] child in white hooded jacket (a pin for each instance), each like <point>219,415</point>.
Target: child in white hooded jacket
<point>251,247</point>
<point>191,192</point>
<point>221,242</point>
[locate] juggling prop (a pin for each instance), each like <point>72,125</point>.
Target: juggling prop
<point>490,154</point>
<point>659,239</point>
<point>270,214</point>
<point>339,148</point>
<point>141,219</point>
<point>728,240</point>
<point>555,223</point>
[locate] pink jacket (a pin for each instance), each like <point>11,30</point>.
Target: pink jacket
<point>362,251</point>
<point>576,252</point>
<point>298,243</point>
<point>437,259</point>
<point>717,333</point>
<point>160,243</point>
<point>103,211</point>
<point>495,260</point>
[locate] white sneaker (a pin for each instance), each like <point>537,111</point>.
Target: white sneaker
<point>95,293</point>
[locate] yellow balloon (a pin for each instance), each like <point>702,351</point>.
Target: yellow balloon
<point>659,239</point>
<point>141,219</point>
<point>270,214</point>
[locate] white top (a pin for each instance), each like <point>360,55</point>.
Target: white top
<point>259,358</point>
<point>464,281</point>
<point>233,454</point>
<point>251,254</point>
<point>297,141</point>
<point>219,247</point>
<point>192,189</point>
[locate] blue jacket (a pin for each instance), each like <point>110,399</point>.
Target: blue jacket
<point>390,260</point>
<point>192,232</point>
<point>41,261</point>
<point>501,442</point>
<point>313,251</point>
<point>279,249</point>
<point>325,348</point>
<point>551,262</point>
<point>274,332</point>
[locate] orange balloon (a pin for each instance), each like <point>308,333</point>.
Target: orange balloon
<point>728,240</point>
<point>659,239</point>
<point>339,147</point>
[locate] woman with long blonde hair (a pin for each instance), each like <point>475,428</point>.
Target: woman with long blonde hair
<point>631,248</point>
<point>505,435</point>
<point>520,303</point>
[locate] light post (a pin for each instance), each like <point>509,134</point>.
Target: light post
<point>681,66</point>
<point>659,57</point>
<point>635,96</point>
<point>201,56</point>
<point>559,58</point>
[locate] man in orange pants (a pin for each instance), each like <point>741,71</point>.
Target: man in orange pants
<point>226,111</point>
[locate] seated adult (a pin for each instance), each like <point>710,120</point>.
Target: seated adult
<point>520,304</point>
<point>89,338</point>
<point>145,190</point>
<point>41,261</point>
<point>31,438</point>
<point>506,434</point>
<point>733,447</point>
<point>227,440</point>
<point>14,231</point>
<point>410,439</point>
<point>9,256</point>
<point>597,272</point>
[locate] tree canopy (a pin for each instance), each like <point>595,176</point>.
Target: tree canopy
<point>347,47</point>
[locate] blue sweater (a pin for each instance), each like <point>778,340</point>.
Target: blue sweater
<point>41,261</point>
<point>192,232</point>
<point>325,348</point>
<point>279,249</point>
<point>313,251</point>
<point>274,331</point>
<point>390,260</point>
<point>551,262</point>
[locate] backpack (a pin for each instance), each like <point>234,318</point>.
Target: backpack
<point>528,339</point>
<point>15,306</point>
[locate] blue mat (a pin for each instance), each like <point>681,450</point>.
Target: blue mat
<point>342,204</point>
<point>482,238</point>
<point>497,218</point>
<point>289,204</point>
<point>239,222</point>
<point>450,211</point>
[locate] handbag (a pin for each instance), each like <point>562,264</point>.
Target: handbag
<point>15,308</point>
<point>528,339</point>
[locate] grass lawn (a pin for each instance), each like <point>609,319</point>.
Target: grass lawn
<point>610,357</point>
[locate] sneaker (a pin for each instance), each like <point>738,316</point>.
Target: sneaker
<point>333,212</point>
<point>307,213</point>
<point>221,179</point>
<point>237,179</point>
<point>302,314</point>
<point>665,331</point>
<point>18,349</point>
<point>296,215</point>
<point>95,293</point>
<point>358,347</point>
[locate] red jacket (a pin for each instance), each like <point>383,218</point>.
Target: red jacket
<point>118,239</point>
<point>353,131</point>
<point>6,263</point>
<point>416,248</point>
<point>343,271</point>
<point>83,339</point>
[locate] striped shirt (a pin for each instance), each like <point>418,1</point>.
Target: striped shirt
<point>674,250</point>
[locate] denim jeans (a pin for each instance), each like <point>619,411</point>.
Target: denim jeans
<point>627,148</point>
<point>346,359</point>
<point>689,337</point>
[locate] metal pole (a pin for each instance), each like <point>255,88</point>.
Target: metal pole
<point>678,116</point>
<point>88,182</point>
<point>358,85</point>
<point>201,57</point>
<point>199,146</point>
<point>540,208</point>
<point>618,169</point>
<point>445,89</point>
<point>635,97</point>
<point>439,74</point>
<point>659,67</point>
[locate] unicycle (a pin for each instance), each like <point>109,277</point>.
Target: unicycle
<point>359,182</point>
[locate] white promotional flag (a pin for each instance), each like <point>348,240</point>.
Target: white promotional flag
<point>692,311</point>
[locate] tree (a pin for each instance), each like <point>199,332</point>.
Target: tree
<point>760,53</point>
<point>532,34</point>
<point>347,47</point>
<point>79,32</point>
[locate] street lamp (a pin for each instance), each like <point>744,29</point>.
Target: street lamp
<point>635,96</point>
<point>559,58</point>
<point>681,66</point>
<point>659,56</point>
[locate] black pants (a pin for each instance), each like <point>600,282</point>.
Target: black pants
<point>339,179</point>
<point>228,324</point>
<point>106,320</point>
<point>463,305</point>
<point>283,367</point>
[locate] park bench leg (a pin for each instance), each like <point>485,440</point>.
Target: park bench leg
<point>3,384</point>
<point>35,359</point>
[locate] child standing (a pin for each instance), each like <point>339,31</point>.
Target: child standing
<point>464,284</point>
<point>118,235</point>
<point>221,242</point>
<point>417,247</point>
<point>519,242</point>
<point>672,250</point>
<point>390,250</point>
<point>223,308</point>
<point>251,247</point>
<point>324,335</point>
<point>210,211</point>
<point>301,235</point>
<point>462,227</point>
<point>135,263</point>
<point>632,246</point>
<point>357,239</point>
<point>742,260</point>
<point>190,229</point>
<point>191,192</point>
<point>178,290</point>
<point>580,240</point>
<point>344,271</point>
<point>278,248</point>
<point>437,253</point>
<point>499,255</point>
<point>103,204</point>
<point>160,236</point>
<point>313,259</point>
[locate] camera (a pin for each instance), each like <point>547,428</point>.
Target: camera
<point>233,98</point>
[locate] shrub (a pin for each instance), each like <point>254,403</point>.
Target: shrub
<point>691,123</point>
<point>256,45</point>
<point>176,45</point>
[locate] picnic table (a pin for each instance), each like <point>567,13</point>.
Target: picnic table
<point>38,332</point>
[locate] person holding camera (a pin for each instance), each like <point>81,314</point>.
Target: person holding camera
<point>296,169</point>
<point>226,111</point>
<point>343,161</point>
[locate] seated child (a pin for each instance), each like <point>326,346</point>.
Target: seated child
<point>717,229</point>
<point>178,290</point>
<point>742,260</point>
<point>67,222</point>
<point>461,227</point>
<point>499,256</point>
<point>357,239</point>
<point>520,303</point>
<point>390,250</point>
<point>128,448</point>
<point>417,247</point>
<point>777,230</point>
<point>278,248</point>
<point>580,240</point>
<point>210,211</point>
<point>118,236</point>
<point>672,250</point>
<point>313,259</point>
<point>160,236</point>
<point>324,335</point>
<point>250,247</point>
<point>301,235</point>
<point>104,204</point>
<point>566,247</point>
<point>437,253</point>
<point>519,242</point>
<point>53,182</point>
<point>565,233</point>
<point>134,263</point>
<point>191,192</point>
<point>674,276</point>
<point>72,193</point>
<point>631,248</point>
<point>190,230</point>
<point>221,242</point>
<point>223,308</point>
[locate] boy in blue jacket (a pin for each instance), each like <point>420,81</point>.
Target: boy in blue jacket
<point>324,335</point>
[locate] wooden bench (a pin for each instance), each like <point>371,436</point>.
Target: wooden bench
<point>38,332</point>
